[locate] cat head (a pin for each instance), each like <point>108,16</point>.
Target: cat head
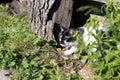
<point>66,37</point>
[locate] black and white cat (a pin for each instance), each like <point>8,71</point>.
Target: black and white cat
<point>66,38</point>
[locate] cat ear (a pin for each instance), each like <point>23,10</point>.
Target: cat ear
<point>62,28</point>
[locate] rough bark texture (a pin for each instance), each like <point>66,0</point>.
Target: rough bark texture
<point>18,7</point>
<point>63,16</point>
<point>44,14</point>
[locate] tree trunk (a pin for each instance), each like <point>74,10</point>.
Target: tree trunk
<point>45,14</point>
<point>18,7</point>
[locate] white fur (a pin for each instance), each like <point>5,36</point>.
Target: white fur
<point>71,50</point>
<point>88,38</point>
<point>67,44</point>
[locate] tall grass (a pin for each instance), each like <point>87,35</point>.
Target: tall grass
<point>106,61</point>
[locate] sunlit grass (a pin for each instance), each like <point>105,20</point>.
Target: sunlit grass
<point>106,61</point>
<point>24,55</point>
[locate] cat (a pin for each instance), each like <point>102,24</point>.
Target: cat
<point>66,38</point>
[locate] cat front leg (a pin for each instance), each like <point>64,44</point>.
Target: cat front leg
<point>72,50</point>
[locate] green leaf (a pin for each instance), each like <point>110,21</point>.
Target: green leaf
<point>51,42</point>
<point>11,64</point>
<point>25,63</point>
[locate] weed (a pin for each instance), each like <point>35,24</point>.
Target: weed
<point>21,51</point>
<point>24,55</point>
<point>106,61</point>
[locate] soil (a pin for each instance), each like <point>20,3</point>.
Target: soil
<point>75,66</point>
<point>68,65</point>
<point>4,74</point>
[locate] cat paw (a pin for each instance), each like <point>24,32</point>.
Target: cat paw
<point>68,52</point>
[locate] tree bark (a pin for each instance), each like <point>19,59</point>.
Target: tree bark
<point>44,14</point>
<point>18,7</point>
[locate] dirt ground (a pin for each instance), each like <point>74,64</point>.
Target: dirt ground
<point>4,74</point>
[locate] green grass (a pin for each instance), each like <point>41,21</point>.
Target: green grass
<point>30,58</point>
<point>106,61</point>
<point>24,55</point>
<point>20,50</point>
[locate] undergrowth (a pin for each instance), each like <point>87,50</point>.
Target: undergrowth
<point>29,58</point>
<point>105,62</point>
<point>24,55</point>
